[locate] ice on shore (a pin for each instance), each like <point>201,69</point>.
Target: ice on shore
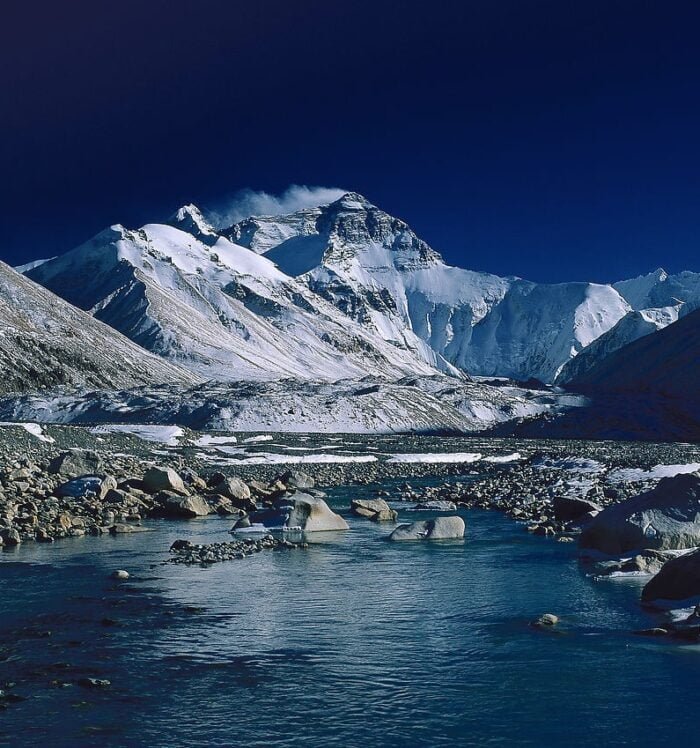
<point>167,435</point>
<point>434,457</point>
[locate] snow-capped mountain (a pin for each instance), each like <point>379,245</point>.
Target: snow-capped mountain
<point>219,309</point>
<point>45,342</point>
<point>374,267</point>
<point>343,290</point>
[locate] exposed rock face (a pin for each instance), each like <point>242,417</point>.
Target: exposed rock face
<point>163,479</point>
<point>440,528</point>
<point>679,579</point>
<point>665,518</point>
<point>375,509</point>
<point>303,511</point>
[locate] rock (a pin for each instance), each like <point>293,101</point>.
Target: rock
<point>76,462</point>
<point>656,631</point>
<point>667,517</point>
<point>375,509</point>
<point>236,491</point>
<point>87,485</point>
<point>124,528</point>
<point>646,562</point>
<point>440,528</point>
<point>300,510</point>
<point>163,479</point>
<point>120,574</point>
<point>568,508</point>
<point>242,523</point>
<point>12,537</point>
<point>94,682</point>
<point>174,505</point>
<point>297,479</point>
<point>180,545</point>
<point>679,579</point>
<point>436,506</point>
<point>547,619</point>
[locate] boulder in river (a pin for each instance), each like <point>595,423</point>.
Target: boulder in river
<point>375,509</point>
<point>679,579</point>
<point>301,511</point>
<point>665,518</point>
<point>440,528</point>
<point>646,562</point>
<point>297,479</point>
<point>436,505</point>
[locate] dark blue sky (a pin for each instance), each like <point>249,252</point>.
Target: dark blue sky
<point>552,140</point>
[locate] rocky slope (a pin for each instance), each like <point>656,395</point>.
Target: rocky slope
<point>46,342</point>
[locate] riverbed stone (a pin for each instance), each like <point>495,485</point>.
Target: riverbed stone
<point>440,528</point>
<point>302,511</point>
<point>375,509</point>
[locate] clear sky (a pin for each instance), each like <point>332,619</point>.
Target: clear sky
<point>555,140</point>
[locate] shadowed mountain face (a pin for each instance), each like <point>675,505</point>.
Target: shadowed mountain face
<point>46,342</point>
<point>666,363</point>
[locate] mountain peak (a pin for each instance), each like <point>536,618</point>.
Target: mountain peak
<point>190,218</point>
<point>353,201</point>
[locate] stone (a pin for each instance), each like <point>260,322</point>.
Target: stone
<point>646,562</point>
<point>125,528</point>
<point>76,462</point>
<point>375,509</point>
<point>569,508</point>
<point>665,518</point>
<point>440,528</point>
<point>546,619</point>
<point>87,485</point>
<point>297,479</point>
<point>678,579</point>
<point>301,511</point>
<point>174,505</point>
<point>12,537</point>
<point>163,479</point>
<point>237,491</point>
<point>120,574</point>
<point>436,506</point>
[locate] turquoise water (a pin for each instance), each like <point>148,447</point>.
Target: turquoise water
<point>353,642</point>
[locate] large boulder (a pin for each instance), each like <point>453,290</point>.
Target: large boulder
<point>375,509</point>
<point>163,479</point>
<point>679,579</point>
<point>174,505</point>
<point>646,562</point>
<point>440,528</point>
<point>302,511</point>
<point>665,518</point>
<point>297,479</point>
<point>87,486</point>
<point>570,508</point>
<point>236,491</point>
<point>76,462</point>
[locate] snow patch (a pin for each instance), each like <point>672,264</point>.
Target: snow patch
<point>167,435</point>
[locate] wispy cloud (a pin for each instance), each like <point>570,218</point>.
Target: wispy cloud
<point>248,203</point>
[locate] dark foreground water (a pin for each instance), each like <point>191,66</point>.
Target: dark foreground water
<point>354,642</point>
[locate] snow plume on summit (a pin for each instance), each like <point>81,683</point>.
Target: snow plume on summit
<point>247,203</point>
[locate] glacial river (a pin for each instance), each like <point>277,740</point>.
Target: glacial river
<point>353,642</point>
